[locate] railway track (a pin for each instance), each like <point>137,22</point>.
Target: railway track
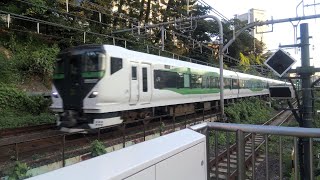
<point>37,148</point>
<point>225,165</point>
<point>24,130</point>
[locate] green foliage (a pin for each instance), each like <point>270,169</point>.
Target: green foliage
<point>31,56</point>
<point>251,111</point>
<point>97,148</point>
<point>17,100</point>
<point>9,75</point>
<point>10,119</point>
<point>162,126</point>
<point>37,61</point>
<point>17,109</point>
<point>19,171</point>
<point>245,61</point>
<point>34,10</point>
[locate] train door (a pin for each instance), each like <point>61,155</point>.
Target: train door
<point>134,84</point>
<point>73,83</point>
<point>145,83</point>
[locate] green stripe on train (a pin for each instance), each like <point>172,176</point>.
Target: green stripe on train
<point>256,89</point>
<point>98,74</point>
<point>58,76</point>
<point>194,90</point>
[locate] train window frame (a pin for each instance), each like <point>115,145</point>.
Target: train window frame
<point>116,64</point>
<point>134,73</point>
<point>144,79</point>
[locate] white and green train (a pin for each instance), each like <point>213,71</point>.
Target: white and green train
<point>103,85</point>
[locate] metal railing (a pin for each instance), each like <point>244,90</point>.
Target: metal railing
<point>124,135</point>
<point>276,140</point>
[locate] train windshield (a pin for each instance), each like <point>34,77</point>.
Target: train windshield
<point>90,64</point>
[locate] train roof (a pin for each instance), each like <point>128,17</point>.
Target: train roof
<point>154,59</point>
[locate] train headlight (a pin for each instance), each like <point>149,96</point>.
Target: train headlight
<point>93,94</point>
<point>55,94</point>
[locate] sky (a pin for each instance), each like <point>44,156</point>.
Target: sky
<point>282,33</point>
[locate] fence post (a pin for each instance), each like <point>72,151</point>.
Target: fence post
<point>206,132</point>
<point>123,136</point>
<point>241,155</point>
<point>17,151</point>
<point>63,150</point>
<point>8,20</point>
<point>160,125</point>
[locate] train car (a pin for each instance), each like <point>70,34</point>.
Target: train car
<point>103,85</point>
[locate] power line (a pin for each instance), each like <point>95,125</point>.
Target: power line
<point>214,10</point>
<point>26,18</point>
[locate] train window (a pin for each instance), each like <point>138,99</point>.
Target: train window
<point>241,84</point>
<point>166,79</point>
<point>59,68</point>
<point>116,64</point>
<point>186,80</point>
<point>196,81</point>
<point>134,73</point>
<point>180,80</point>
<point>205,82</point>
<point>144,80</point>
<point>227,83</point>
<point>235,84</point>
<point>92,61</point>
<point>214,82</point>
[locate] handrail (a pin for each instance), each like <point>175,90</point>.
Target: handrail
<point>275,130</point>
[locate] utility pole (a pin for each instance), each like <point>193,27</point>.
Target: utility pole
<point>305,72</point>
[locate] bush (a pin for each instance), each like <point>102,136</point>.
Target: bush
<point>19,171</point>
<point>252,111</point>
<point>10,119</point>
<point>97,148</point>
<point>8,73</point>
<point>14,99</point>
<point>38,61</point>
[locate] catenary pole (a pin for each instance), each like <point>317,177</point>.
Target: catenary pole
<point>306,97</point>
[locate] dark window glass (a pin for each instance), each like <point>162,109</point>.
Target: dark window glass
<point>116,64</point>
<point>91,61</point>
<point>167,79</point>
<point>241,84</point>
<point>59,68</point>
<point>235,84</point>
<point>74,65</point>
<point>144,80</point>
<point>134,73</point>
<point>227,83</point>
<point>196,81</point>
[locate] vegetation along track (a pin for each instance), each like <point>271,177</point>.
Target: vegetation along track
<point>225,165</point>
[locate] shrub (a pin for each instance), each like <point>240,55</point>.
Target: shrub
<point>13,99</point>
<point>10,119</point>
<point>8,73</point>
<point>38,61</point>
<point>97,148</point>
<point>19,171</point>
<point>252,111</point>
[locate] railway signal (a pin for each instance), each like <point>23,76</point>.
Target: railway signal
<point>280,62</point>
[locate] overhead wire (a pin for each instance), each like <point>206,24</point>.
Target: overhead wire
<point>77,29</point>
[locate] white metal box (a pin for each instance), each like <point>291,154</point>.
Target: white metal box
<point>177,156</point>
